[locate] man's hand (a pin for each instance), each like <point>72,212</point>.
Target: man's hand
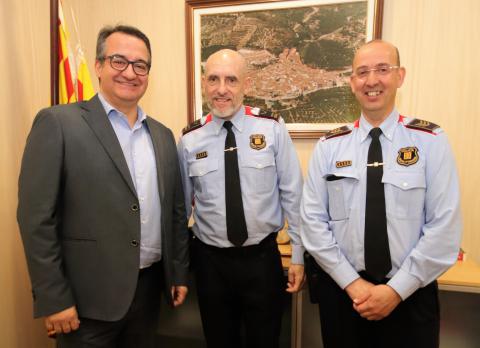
<point>62,322</point>
<point>296,278</point>
<point>380,302</point>
<point>359,290</point>
<point>179,293</point>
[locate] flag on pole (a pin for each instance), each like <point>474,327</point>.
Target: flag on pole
<point>66,78</point>
<point>85,89</point>
<point>84,84</point>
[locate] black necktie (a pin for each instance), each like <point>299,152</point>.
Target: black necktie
<point>377,251</point>
<point>236,225</point>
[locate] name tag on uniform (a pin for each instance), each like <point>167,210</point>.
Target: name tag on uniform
<point>200,155</point>
<point>342,164</point>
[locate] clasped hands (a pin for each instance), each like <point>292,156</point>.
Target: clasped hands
<point>372,302</point>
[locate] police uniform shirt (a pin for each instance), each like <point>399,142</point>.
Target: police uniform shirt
<point>270,178</point>
<point>421,197</point>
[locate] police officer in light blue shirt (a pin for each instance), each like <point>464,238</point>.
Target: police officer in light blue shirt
<point>421,199</point>
<point>243,284</point>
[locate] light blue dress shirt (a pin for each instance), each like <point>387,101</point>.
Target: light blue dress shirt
<point>422,201</point>
<point>137,148</point>
<point>270,178</point>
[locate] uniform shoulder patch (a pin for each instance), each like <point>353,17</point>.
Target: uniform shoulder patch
<point>257,112</point>
<point>337,132</point>
<point>423,125</point>
<point>197,124</point>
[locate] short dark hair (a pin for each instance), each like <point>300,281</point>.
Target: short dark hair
<point>106,31</point>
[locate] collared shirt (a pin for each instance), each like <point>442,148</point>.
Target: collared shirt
<point>422,202</point>
<point>137,148</point>
<point>270,178</point>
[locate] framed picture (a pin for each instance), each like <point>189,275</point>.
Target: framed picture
<point>298,52</point>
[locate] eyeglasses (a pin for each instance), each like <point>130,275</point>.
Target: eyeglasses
<point>230,81</point>
<point>379,70</point>
<point>121,63</point>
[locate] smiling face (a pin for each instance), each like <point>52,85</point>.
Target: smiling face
<point>122,89</point>
<point>376,92</point>
<point>224,83</point>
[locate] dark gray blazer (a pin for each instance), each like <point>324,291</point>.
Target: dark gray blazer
<point>79,215</point>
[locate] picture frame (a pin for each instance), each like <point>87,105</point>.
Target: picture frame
<point>298,52</point>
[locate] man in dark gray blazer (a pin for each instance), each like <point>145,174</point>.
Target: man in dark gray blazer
<point>101,208</point>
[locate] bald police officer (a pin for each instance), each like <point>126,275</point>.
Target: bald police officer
<point>241,171</point>
<point>381,216</point>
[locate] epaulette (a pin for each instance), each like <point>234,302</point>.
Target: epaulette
<point>422,125</point>
<point>197,124</point>
<point>257,112</point>
<point>337,132</point>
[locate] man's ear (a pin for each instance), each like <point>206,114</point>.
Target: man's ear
<point>352,84</point>
<point>401,76</point>
<point>203,83</point>
<point>98,67</point>
<point>248,82</point>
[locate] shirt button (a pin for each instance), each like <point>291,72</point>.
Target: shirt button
<point>134,207</point>
<point>405,184</point>
<point>259,165</point>
<point>134,243</point>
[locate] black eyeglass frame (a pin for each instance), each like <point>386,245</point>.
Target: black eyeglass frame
<point>110,58</point>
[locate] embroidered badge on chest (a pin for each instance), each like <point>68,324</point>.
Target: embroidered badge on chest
<point>200,155</point>
<point>407,156</point>
<point>257,141</point>
<point>342,164</point>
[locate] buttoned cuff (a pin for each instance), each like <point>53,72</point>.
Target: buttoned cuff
<point>297,254</point>
<point>404,283</point>
<point>344,274</point>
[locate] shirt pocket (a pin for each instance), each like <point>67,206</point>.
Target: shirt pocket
<point>341,188</point>
<point>404,193</point>
<point>203,174</point>
<point>259,172</point>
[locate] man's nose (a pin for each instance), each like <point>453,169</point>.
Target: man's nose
<point>222,86</point>
<point>129,72</point>
<point>372,78</point>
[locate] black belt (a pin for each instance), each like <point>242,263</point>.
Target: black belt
<point>268,242</point>
<point>365,276</point>
<point>368,278</point>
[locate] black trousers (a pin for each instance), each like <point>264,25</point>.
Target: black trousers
<point>241,292</point>
<point>414,323</point>
<point>138,327</point>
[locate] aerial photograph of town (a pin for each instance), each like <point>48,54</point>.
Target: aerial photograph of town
<point>299,59</point>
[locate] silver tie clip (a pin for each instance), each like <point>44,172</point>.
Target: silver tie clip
<point>375,164</point>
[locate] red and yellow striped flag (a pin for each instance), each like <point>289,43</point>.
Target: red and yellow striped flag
<point>66,86</point>
<point>85,89</point>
